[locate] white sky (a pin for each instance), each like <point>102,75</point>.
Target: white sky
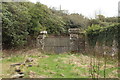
<point>88,8</point>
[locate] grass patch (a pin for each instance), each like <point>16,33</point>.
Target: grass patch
<point>59,66</point>
<point>14,59</point>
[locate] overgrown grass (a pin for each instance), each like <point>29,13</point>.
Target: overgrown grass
<point>58,66</point>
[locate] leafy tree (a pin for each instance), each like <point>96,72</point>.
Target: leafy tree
<point>15,20</point>
<point>25,19</point>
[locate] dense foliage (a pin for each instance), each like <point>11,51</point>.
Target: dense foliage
<point>103,30</point>
<point>23,21</point>
<point>105,35</point>
<point>15,21</point>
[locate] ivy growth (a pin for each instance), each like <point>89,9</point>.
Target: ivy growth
<point>102,35</point>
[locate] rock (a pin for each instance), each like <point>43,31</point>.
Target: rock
<point>18,76</point>
<point>16,64</point>
<point>23,64</point>
<point>32,74</point>
<point>17,69</point>
<point>62,75</point>
<point>52,72</point>
<point>29,65</point>
<point>29,60</point>
<point>21,73</point>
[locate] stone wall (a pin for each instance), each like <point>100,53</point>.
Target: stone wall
<point>76,42</point>
<point>57,44</point>
<point>102,49</point>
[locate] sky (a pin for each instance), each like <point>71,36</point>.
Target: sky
<point>88,8</point>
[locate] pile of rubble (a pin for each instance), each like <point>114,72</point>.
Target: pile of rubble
<point>17,68</point>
